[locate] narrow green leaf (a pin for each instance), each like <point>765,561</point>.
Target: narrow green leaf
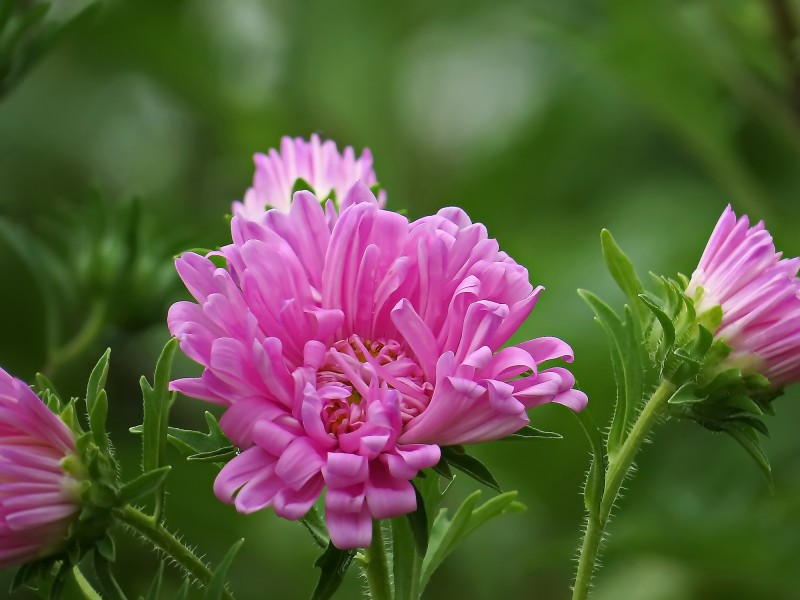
<point>443,469</point>
<point>96,401</point>
<point>447,534</point>
<point>110,588</point>
<point>216,586</point>
<point>220,455</point>
<point>183,591</point>
<point>333,564</point>
<point>143,485</point>
<point>471,466</point>
<point>686,394</point>
<point>596,477</point>
<point>626,362</point>
<point>623,272</point>
<point>443,535</point>
<point>418,520</point>
<point>499,505</point>
<point>406,563</point>
<point>59,579</point>
<point>316,527</point>
<point>529,433</point>
<point>157,401</point>
<point>155,588</point>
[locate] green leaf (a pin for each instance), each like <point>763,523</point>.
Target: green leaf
<point>529,433</point>
<point>471,466</point>
<point>216,587</point>
<point>143,485</point>
<point>686,394</point>
<point>316,527</point>
<point>626,362</point>
<point>195,442</point>
<point>155,588</point>
<point>418,520</point>
<point>220,455</point>
<point>333,564</point>
<point>596,477</point>
<point>407,562</point>
<point>96,401</point>
<point>157,403</point>
<point>446,533</point>
<point>623,272</point>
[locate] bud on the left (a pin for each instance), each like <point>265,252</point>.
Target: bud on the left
<point>41,477</point>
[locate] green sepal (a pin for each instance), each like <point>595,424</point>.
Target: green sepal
<point>667,327</point>
<point>748,439</point>
<point>333,564</point>
<point>447,533</point>
<point>316,527</point>
<point>529,433</point>
<point>97,402</point>
<point>144,484</point>
<point>106,547</point>
<point>29,573</point>
<point>216,587</point>
<point>455,456</point>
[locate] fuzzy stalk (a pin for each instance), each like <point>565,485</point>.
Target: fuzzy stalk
<point>157,534</point>
<point>377,566</point>
<point>618,469</point>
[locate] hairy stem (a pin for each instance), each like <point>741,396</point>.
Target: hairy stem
<point>165,541</point>
<point>618,469</point>
<point>377,567</point>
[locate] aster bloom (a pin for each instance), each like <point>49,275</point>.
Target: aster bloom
<point>318,163</point>
<point>759,293</point>
<point>348,348</point>
<point>38,499</point>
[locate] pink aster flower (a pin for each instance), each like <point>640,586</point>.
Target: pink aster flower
<point>759,293</point>
<point>319,163</point>
<point>37,498</point>
<point>348,347</point>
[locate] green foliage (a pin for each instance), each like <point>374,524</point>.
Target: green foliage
<point>25,36</point>
<point>216,587</point>
<point>447,533</point>
<point>333,564</point>
<point>456,456</point>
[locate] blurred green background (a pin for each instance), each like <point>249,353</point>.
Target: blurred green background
<point>547,120</point>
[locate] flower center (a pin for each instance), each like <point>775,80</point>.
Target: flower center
<point>355,368</point>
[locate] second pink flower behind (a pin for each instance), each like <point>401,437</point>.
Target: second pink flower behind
<point>348,349</point>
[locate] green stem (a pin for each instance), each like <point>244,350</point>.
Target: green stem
<point>618,469</point>
<point>91,329</point>
<point>377,567</point>
<point>162,539</point>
